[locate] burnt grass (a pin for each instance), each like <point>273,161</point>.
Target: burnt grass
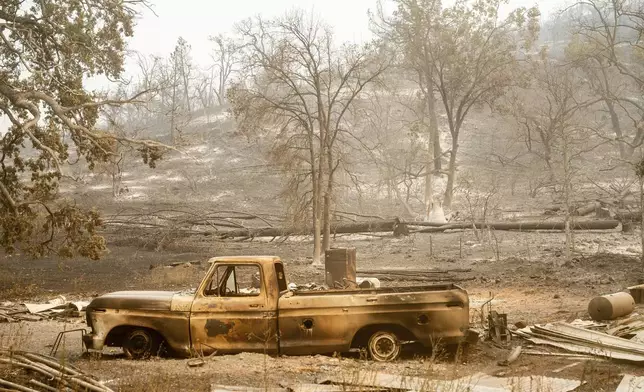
<point>531,281</point>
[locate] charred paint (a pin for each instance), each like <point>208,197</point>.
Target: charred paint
<point>216,327</point>
<point>309,323</point>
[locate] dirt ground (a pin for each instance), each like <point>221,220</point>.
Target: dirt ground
<point>526,272</point>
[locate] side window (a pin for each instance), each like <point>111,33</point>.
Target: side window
<point>235,281</point>
<point>281,279</point>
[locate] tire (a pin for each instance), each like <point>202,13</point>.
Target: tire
<point>141,343</point>
<point>384,346</point>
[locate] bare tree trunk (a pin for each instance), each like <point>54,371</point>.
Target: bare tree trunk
<point>451,175</point>
<point>429,188</point>
<point>433,128</point>
<point>317,238</point>
<point>318,246</point>
<point>173,113</point>
<point>641,178</point>
<point>316,188</point>
<point>186,87</point>
<point>567,194</point>
<point>326,233</point>
<point>614,119</point>
<point>433,148</point>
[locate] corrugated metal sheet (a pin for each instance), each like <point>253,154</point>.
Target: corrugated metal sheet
<point>478,382</point>
<point>631,384</point>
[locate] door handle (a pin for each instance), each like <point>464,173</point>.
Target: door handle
<point>372,299</point>
<point>253,306</point>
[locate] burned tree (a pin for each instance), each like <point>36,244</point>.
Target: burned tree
<point>468,56</point>
<point>299,89</point>
<point>554,112</point>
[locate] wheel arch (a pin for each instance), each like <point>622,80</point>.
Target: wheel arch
<point>117,334</point>
<point>361,337</point>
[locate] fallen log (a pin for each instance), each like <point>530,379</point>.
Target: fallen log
<point>585,210</point>
<point>523,226</point>
<point>424,224</point>
<point>377,226</point>
<point>410,272</point>
<point>629,216</point>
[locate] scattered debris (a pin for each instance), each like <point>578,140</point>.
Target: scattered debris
<point>580,340</point>
<point>611,306</point>
<point>631,383</point>
<point>477,383</point>
<point>514,355</point>
<point>57,307</point>
<point>307,287</point>
<point>570,365</point>
<point>232,388</point>
<point>36,372</point>
<point>498,327</point>
<point>419,275</point>
<point>368,283</point>
<point>483,383</point>
<point>637,292</point>
<point>330,388</point>
<point>627,327</point>
<point>563,355</point>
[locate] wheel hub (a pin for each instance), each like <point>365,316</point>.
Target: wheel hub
<point>384,346</point>
<point>139,344</point>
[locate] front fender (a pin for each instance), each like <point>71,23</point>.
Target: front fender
<point>172,326</point>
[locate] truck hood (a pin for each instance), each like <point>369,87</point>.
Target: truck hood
<point>149,300</point>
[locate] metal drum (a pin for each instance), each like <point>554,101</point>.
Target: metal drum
<point>611,306</point>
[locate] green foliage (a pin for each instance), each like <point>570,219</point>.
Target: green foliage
<point>47,49</point>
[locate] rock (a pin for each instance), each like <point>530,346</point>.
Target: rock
<point>520,324</point>
<point>556,296</point>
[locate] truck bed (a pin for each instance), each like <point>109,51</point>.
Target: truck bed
<point>381,290</point>
<point>335,320</point>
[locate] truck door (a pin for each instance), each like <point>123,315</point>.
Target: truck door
<point>232,312</point>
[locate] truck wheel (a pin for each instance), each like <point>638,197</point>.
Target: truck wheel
<point>384,346</point>
<point>141,343</point>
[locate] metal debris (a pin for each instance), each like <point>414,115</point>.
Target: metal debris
<point>570,365</point>
<point>611,306</point>
<point>514,355</point>
<point>57,307</point>
<point>478,382</point>
<point>483,383</point>
<point>368,283</point>
<point>236,388</point>
<point>580,340</point>
<point>631,383</point>
<point>498,327</point>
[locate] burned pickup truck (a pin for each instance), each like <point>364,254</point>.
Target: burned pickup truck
<point>244,304</point>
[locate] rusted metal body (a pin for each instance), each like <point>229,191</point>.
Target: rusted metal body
<point>340,266</point>
<point>225,318</point>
